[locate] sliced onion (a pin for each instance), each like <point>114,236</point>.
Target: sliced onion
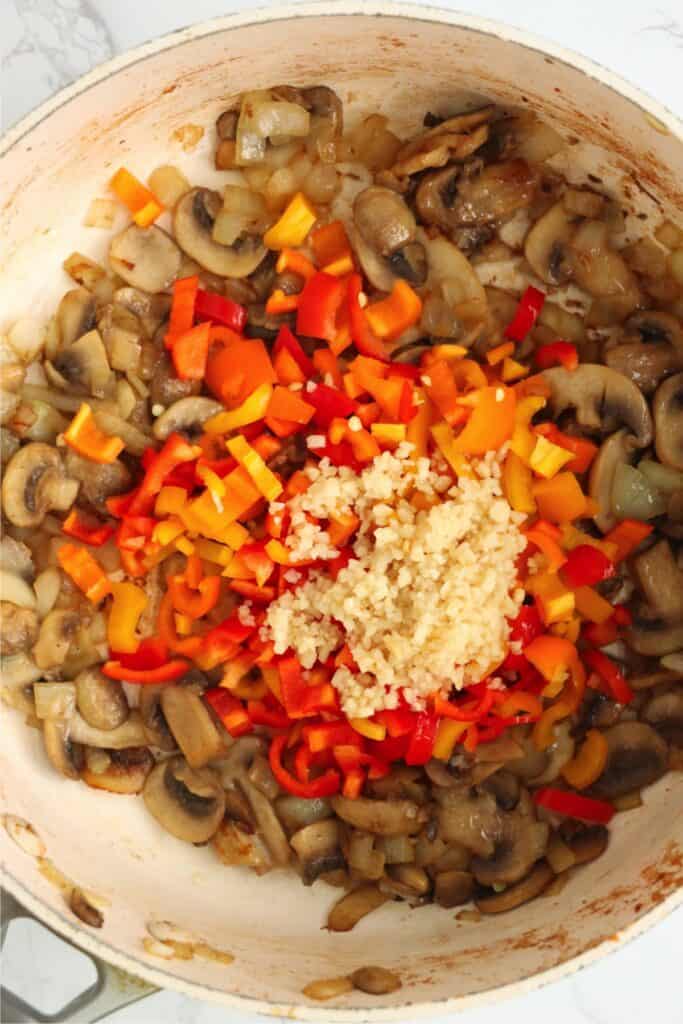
<point>26,338</point>
<point>633,496</point>
<point>47,586</point>
<point>663,478</point>
<point>16,590</point>
<point>54,700</point>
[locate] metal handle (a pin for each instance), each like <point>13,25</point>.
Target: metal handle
<point>112,990</point>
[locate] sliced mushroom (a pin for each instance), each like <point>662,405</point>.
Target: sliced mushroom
<point>317,847</point>
<point>454,198</point>
<point>521,843</point>
<point>146,258</point>
<point>129,734</point>
<point>599,269</point>
<point>193,224</point>
<point>637,756</point>
<point>66,755</point>
<point>376,981</point>
<point>267,822</point>
<point>18,625</point>
<point>523,891</point>
<point>16,558</point>
<point>119,771</point>
<point>661,581</point>
<point>57,632</point>
<point>451,273</point>
<point>665,712</point>
<point>101,701</point>
<point>186,416</point>
<point>191,725</point>
<point>380,817</point>
<point>82,367</point>
<point>453,888</point>
<point>614,451</point>
<point>76,315</point>
<point>504,786</point>
<point>98,481</point>
<point>547,245</point>
<point>383,237</point>
<point>668,415</point>
<point>651,636</point>
<point>189,803</point>
<point>651,349</point>
<point>589,844</point>
<point>34,484</point>
<point>453,139</point>
<point>469,817</point>
<point>602,398</point>
<point>54,700</point>
<point>155,725</point>
<point>348,911</point>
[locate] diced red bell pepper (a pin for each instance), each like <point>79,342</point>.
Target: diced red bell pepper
<point>584,450</point>
<point>325,735</point>
<point>329,404</point>
<point>398,721</point>
<point>393,748</point>
<point>176,450</point>
<point>319,304</point>
<point>557,353</point>
<point>75,526</point>
<point>421,742</point>
<point>230,710</point>
<point>627,535</point>
<point>611,674</point>
<point>134,541</point>
<point>527,626</point>
<point>339,455</point>
<point>219,310</point>
<point>587,565</point>
<point>367,343</point>
<point>466,711</point>
<point>286,340</point>
<point>118,505</point>
<point>261,714</point>
<point>573,805</point>
<point>530,305</point>
<point>167,673</point>
<point>190,352</point>
<point>325,785</point>
<point>151,653</point>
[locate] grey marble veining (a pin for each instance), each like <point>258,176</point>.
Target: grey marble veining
<point>44,45</point>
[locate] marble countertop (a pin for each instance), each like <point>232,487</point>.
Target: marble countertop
<point>44,45</point>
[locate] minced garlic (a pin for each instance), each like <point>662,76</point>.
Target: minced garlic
<point>424,604</point>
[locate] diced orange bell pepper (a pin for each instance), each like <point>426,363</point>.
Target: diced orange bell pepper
<point>287,369</point>
<point>85,571</point>
<point>141,202</point>
<point>439,382</point>
<point>592,605</point>
<point>288,405</point>
<point>296,263</point>
<point>86,438</point>
<point>467,373</point>
<point>500,352</point>
<point>417,431</point>
<point>517,485</point>
<point>626,536</point>
<point>589,763</point>
<point>390,317</point>
<point>190,351</point>
<point>236,366</point>
<point>265,480</point>
<point>491,423</point>
<point>561,499</point>
<point>291,229</point>
<point>331,246</point>
<point>342,527</point>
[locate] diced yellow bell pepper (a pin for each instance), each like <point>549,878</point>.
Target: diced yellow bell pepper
<point>556,601</point>
<point>512,370</point>
<point>444,439</point>
<point>183,624</point>
<point>371,730</point>
<point>523,439</point>
<point>517,483</point>
<point>264,478</point>
<point>277,551</point>
<point>219,554</point>
<point>167,531</point>
<point>185,546</point>
<point>252,409</point>
<point>571,538</point>
<point>211,481</point>
<point>547,459</point>
<point>128,605</point>
<point>170,501</point>
<point>447,735</point>
<point>569,630</point>
<point>448,352</point>
<point>390,434</point>
<point>271,678</point>
<point>293,226</point>
<point>237,570</point>
<point>592,605</point>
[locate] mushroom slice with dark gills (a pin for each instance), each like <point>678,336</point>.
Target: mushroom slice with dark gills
<point>67,757</point>
<point>456,138</point>
<point>146,258</point>
<point>665,712</point>
<point>668,416</point>
<point>187,802</point>
<point>191,724</point>
<point>193,222</point>
<point>186,416</point>
<point>98,480</point>
<point>82,367</point>
<point>318,848</point>
<point>637,756</point>
<point>651,636</point>
<point>547,245</point>
<point>117,771</point>
<point>650,349</point>
<point>383,237</point>
<point>661,581</point>
<point>463,196</point>
<point>57,632</point>
<point>155,725</point>
<point>76,315</point>
<point>603,400</point>
<point>34,484</point>
<point>520,842</point>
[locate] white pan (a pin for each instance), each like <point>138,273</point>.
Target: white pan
<point>403,61</point>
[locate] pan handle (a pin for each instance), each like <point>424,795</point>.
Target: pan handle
<point>112,990</point>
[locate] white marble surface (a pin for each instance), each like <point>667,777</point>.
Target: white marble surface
<point>45,44</point>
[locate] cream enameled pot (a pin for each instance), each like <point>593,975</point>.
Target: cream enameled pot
<point>401,60</point>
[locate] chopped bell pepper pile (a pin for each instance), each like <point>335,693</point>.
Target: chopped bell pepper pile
<point>210,504</point>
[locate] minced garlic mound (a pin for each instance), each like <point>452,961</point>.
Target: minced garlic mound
<point>424,605</point>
